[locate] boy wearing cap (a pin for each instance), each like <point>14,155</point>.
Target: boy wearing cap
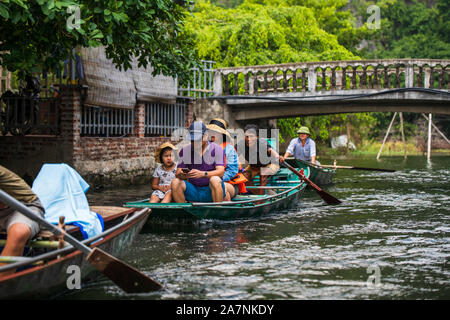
<point>303,147</point>
<point>199,172</point>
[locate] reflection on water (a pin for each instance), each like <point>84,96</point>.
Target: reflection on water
<point>396,222</point>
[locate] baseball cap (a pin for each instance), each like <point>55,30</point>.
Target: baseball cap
<point>196,131</point>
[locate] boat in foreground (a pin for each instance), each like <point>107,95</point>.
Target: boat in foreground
<point>47,271</point>
<point>318,174</point>
<point>287,193</point>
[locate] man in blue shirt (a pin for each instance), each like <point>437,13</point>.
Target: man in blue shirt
<point>303,147</point>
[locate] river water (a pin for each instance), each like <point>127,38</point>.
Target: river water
<point>389,239</point>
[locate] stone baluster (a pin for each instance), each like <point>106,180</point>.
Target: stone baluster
<point>294,80</point>
<point>420,77</point>
<point>324,79</point>
<point>344,78</point>
<point>275,81</point>
<point>265,84</point>
<point>354,77</point>
<point>431,79</point>
<point>386,77</point>
<point>303,80</point>
<point>363,80</point>
<point>376,82</point>
<point>285,81</point>
<point>333,78</point>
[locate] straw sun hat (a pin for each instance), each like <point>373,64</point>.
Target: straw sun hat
<point>218,125</point>
<point>160,148</point>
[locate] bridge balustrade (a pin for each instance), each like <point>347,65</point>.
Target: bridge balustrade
<point>332,76</point>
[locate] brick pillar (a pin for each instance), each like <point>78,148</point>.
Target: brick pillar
<point>70,123</point>
<point>139,120</point>
<point>189,113</point>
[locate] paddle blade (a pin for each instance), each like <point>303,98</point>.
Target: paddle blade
<point>124,276</point>
<point>328,198</point>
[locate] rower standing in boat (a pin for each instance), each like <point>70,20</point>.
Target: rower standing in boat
<point>201,167</point>
<point>19,228</point>
<point>303,147</point>
<point>234,180</point>
<point>261,157</point>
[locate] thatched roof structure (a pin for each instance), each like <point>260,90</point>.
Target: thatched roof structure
<point>110,87</point>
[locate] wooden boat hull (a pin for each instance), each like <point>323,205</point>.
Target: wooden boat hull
<point>319,175</point>
<point>239,209</point>
<point>53,276</point>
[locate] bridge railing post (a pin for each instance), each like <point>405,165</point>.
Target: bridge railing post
<point>312,79</point>
<point>409,75</point>
<point>217,86</point>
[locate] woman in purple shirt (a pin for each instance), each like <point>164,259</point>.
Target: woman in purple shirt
<point>199,171</point>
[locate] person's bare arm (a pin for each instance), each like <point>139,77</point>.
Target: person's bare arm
<point>180,174</point>
<point>156,186</point>
<point>219,171</point>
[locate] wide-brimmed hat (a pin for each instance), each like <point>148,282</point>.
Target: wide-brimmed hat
<point>304,130</point>
<point>218,125</point>
<point>161,148</point>
<point>196,131</point>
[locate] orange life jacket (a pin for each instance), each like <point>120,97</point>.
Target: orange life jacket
<point>239,178</point>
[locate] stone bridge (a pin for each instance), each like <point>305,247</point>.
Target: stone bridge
<point>314,88</point>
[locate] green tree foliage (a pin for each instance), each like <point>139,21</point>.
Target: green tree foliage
<point>35,35</point>
<point>262,32</point>
<point>280,31</point>
<point>409,29</point>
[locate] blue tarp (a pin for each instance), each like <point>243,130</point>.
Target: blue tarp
<point>61,191</point>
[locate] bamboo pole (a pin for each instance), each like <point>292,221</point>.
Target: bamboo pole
<point>429,137</point>
<point>439,131</point>
<point>37,244</point>
<point>403,135</point>
<point>385,137</point>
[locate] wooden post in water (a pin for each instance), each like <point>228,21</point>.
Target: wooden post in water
<point>429,138</point>
<point>385,137</point>
<point>437,129</point>
<point>403,135</point>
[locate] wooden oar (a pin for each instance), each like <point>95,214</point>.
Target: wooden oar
<point>126,277</point>
<point>357,168</point>
<point>328,198</point>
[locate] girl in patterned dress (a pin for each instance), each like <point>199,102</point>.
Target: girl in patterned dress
<point>164,173</point>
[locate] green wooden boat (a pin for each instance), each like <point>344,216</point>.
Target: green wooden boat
<point>319,175</point>
<point>287,193</point>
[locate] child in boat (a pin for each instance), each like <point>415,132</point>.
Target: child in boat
<point>164,174</point>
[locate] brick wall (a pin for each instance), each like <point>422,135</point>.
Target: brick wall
<point>99,160</point>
